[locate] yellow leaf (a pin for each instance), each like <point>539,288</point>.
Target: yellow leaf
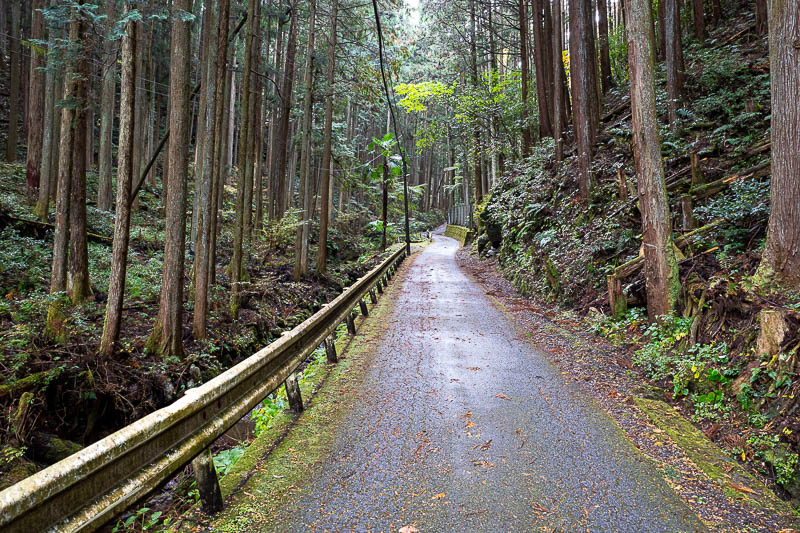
<point>744,457</point>
<point>438,496</point>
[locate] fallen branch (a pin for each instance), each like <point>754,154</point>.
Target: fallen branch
<point>36,225</point>
<point>715,187</point>
<point>632,266</point>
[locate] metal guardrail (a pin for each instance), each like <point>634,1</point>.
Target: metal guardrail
<point>91,487</point>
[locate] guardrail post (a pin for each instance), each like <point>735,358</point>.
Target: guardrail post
<point>207,482</point>
<point>373,296</point>
<point>330,350</point>
<point>363,305</point>
<point>351,324</point>
<point>379,286</point>
<point>293,393</point>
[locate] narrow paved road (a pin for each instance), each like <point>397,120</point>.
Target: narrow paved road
<point>466,427</point>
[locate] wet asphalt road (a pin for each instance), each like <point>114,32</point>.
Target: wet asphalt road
<point>464,426</point>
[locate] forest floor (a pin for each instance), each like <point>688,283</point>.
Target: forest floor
<point>456,415</point>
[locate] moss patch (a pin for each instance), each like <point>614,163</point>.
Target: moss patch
<point>459,233</point>
<point>736,482</point>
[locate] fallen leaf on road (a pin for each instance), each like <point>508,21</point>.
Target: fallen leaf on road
<point>486,446</point>
<point>473,368</point>
<point>538,508</point>
<point>502,396</point>
<point>741,488</point>
<point>408,529</point>
<point>438,496</point>
<point>470,424</point>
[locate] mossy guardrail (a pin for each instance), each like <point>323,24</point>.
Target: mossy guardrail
<point>91,487</point>
<point>459,233</point>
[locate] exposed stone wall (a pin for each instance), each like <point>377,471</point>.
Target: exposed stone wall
<point>459,233</point>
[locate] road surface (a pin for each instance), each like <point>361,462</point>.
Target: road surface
<point>464,426</point>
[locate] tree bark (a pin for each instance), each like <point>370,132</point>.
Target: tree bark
<point>539,58</point>
<point>476,132</point>
<point>523,48</point>
<point>122,218</point>
<point>781,259</point>
<point>105,189</point>
<point>602,34</point>
<point>253,126</point>
<point>14,81</point>
<point>674,62</point>
<point>327,182</point>
<point>558,81</point>
<point>245,170</point>
<point>661,267</point>
<point>207,202</point>
<point>167,335</point>
<point>699,20</point>
<point>58,272</point>
<point>761,17</point>
<point>584,82</point>
<point>78,250</point>
<point>35,100</point>
<point>301,243</point>
<point>280,176</point>
<point>48,176</point>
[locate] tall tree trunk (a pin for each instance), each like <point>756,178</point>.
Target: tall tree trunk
<point>476,132</point>
<point>105,187</point>
<point>558,80</point>
<point>36,101</point>
<point>539,55</point>
<point>699,20</point>
<point>661,45</point>
<point>761,17</point>
<point>58,272</point>
<point>275,116</point>
<point>201,123</point>
<point>167,335</point>
<point>14,81</point>
<point>122,218</point>
<point>672,28</point>
<point>49,172</point>
<point>716,11</point>
<point>781,259</point>
<point>385,203</point>
<point>327,182</point>
<point>207,202</point>
<point>280,177</point>
<point>245,170</point>
<point>602,34</point>
<point>523,48</point>
<point>138,132</point>
<point>661,267</point>
<point>303,230</point>
<point>78,250</point>
<point>224,82</point>
<point>253,126</point>
<point>583,71</point>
